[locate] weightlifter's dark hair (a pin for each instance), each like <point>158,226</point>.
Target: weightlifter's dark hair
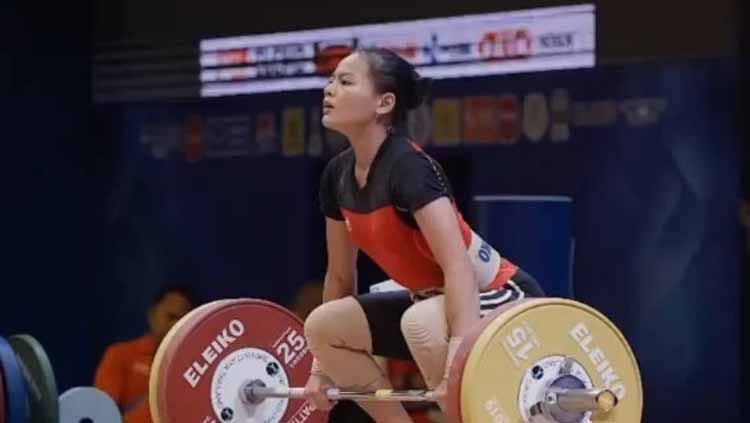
<point>391,73</point>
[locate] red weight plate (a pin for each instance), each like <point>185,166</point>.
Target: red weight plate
<point>218,352</point>
<point>158,370</point>
<point>509,122</point>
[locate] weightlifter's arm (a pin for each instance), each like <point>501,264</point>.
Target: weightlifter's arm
<point>341,272</point>
<point>439,226</point>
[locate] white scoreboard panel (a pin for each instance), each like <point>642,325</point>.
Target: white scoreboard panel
<point>464,46</point>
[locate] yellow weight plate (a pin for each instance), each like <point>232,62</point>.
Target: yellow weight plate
<point>536,342</point>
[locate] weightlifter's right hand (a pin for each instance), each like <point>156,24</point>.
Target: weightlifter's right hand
<point>315,391</point>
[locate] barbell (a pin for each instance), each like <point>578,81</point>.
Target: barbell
<point>540,360</point>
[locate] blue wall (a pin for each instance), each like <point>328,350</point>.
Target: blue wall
<point>56,281</point>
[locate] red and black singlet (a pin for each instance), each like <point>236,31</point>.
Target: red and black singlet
<point>379,216</point>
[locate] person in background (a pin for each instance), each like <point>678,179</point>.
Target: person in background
<point>306,298</point>
<point>123,371</point>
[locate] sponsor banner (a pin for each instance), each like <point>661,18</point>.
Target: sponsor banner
<point>294,131</point>
<point>446,121</point>
<point>481,123</point>
<point>463,46</point>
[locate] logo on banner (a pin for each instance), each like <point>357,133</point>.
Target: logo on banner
<point>480,120</point>
<point>643,111</point>
<point>162,139</point>
<point>293,138</point>
<point>265,133</point>
<point>560,115</point>
<point>420,124</point>
<point>315,140</point>
<point>446,121</point>
<point>329,55</point>
<point>557,40</point>
<point>535,116</point>
<point>227,136</point>
<point>595,113</point>
<point>192,141</point>
<point>509,122</point>
<point>509,44</point>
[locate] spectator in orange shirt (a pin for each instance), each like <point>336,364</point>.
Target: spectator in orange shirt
<point>124,369</point>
